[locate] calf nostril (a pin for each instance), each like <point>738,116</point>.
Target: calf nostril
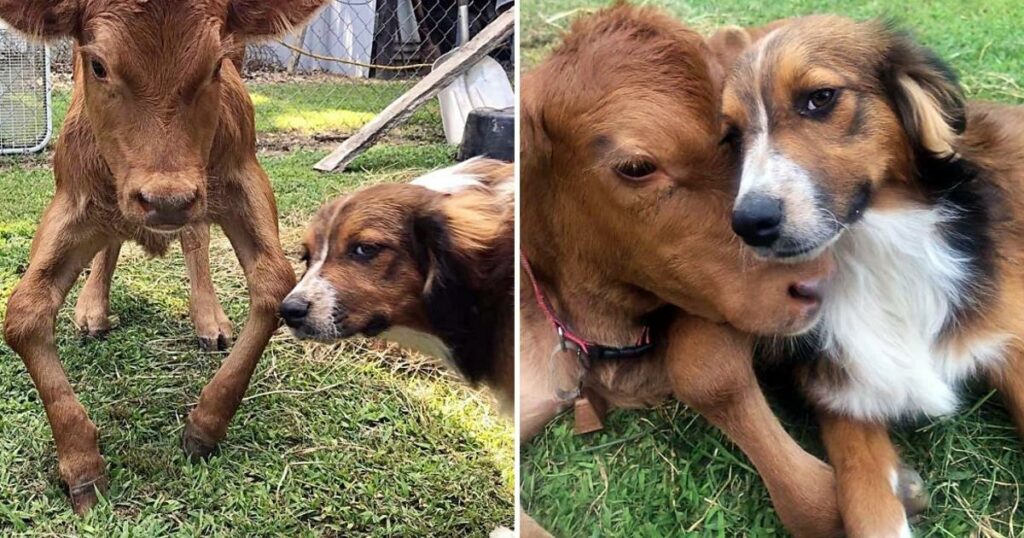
<point>294,310</point>
<point>144,202</point>
<point>189,201</point>
<point>758,220</point>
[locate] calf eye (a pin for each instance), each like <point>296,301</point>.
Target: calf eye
<point>305,256</point>
<point>98,69</point>
<point>732,137</point>
<point>364,252</point>
<point>819,101</point>
<point>636,170</point>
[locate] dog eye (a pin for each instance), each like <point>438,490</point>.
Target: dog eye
<point>819,100</point>
<point>636,170</point>
<point>364,252</point>
<point>98,69</point>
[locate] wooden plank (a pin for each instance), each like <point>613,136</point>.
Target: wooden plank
<point>398,111</point>
<point>589,412</point>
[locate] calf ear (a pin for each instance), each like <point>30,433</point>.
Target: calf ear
<point>534,144</point>
<point>42,19</point>
<point>267,18</point>
<point>926,94</point>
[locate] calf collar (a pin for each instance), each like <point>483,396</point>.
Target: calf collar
<point>586,349</point>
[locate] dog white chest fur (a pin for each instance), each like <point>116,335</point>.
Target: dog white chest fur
<point>896,285</point>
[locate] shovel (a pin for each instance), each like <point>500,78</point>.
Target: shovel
<point>484,85</point>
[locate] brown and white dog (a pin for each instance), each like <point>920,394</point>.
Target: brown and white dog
<point>626,197</point>
<point>857,144</point>
<point>428,264</point>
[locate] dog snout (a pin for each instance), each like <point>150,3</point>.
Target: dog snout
<point>757,219</point>
<point>166,208</point>
<point>294,310</point>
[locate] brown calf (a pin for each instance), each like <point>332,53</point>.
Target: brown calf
<point>159,138</point>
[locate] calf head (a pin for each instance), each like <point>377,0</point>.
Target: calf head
<point>624,172</point>
<point>149,80</point>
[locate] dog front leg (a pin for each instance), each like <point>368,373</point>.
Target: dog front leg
<point>92,311</point>
<point>711,370</point>
<point>213,328</point>
<point>60,250</point>
<point>251,226</point>
<point>868,476</point>
<point>1008,378</point>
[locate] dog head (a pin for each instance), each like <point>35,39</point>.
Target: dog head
<point>822,111</point>
<point>413,256</point>
<point>624,178</point>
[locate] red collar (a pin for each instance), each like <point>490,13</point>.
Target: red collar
<point>566,336</point>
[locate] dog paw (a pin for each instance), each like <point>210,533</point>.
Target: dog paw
<point>213,329</point>
<point>197,447</point>
<point>502,532</point>
<point>911,491</point>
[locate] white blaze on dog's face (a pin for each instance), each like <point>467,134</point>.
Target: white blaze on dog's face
<point>819,111</point>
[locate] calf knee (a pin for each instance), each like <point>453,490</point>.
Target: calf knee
<point>273,280</point>
<point>30,315</point>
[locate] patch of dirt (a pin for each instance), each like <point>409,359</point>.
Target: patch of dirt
<point>274,144</point>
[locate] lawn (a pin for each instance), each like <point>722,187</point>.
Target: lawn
<point>666,472</point>
<point>357,439</point>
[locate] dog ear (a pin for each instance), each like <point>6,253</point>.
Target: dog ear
<point>451,304</point>
<point>254,19</point>
<point>926,94</point>
<point>42,19</point>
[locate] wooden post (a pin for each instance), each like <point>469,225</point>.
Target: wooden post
<point>458,63</point>
<point>293,65</point>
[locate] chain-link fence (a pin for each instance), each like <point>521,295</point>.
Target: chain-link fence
<point>331,76</point>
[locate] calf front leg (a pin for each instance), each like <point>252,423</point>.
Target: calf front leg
<point>92,311</point>
<point>211,323</point>
<point>60,250</point>
<point>711,371</point>
<point>868,476</point>
<point>251,225</point>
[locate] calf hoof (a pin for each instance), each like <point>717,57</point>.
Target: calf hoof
<point>92,324</point>
<point>86,494</point>
<point>213,329</point>
<point>215,342</point>
<point>912,492</point>
<point>197,446</point>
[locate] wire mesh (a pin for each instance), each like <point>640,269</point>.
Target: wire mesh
<point>24,94</point>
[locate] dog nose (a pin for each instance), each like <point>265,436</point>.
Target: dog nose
<point>758,220</point>
<point>167,210</point>
<point>294,310</point>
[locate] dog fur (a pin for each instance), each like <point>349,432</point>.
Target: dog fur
<point>428,264</point>
<point>864,140</point>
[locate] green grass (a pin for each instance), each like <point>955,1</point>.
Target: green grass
<point>348,440</point>
<point>666,472</point>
